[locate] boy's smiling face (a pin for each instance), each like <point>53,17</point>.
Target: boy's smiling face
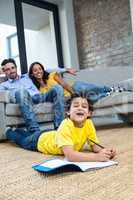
<point>79,111</point>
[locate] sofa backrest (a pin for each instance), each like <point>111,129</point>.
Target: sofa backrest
<point>2,78</point>
<point>106,76</point>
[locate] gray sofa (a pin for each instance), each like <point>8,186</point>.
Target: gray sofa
<point>120,104</point>
<point>118,107</point>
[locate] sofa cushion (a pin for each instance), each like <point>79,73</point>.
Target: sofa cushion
<point>4,96</point>
<point>42,108</point>
<point>116,98</point>
<point>2,78</point>
<point>17,120</point>
<point>114,109</point>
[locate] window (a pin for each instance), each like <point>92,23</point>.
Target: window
<point>12,44</point>
<point>30,32</point>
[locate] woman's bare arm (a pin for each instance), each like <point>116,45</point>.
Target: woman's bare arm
<point>61,82</point>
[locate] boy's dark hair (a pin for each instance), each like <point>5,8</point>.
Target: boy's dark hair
<point>83,94</point>
<point>9,60</point>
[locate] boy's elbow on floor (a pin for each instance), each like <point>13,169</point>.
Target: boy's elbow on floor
<point>69,153</point>
<point>69,157</point>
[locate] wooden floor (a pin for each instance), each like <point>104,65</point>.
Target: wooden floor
<point>18,181</point>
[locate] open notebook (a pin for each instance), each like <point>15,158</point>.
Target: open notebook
<point>55,164</point>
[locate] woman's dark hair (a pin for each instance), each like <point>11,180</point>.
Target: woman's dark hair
<point>83,94</point>
<point>34,80</point>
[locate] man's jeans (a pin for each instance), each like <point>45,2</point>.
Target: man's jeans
<point>25,101</point>
<point>56,96</point>
<point>23,98</point>
<point>94,92</point>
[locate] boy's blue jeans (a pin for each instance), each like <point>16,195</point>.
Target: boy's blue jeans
<point>24,139</point>
<point>94,92</point>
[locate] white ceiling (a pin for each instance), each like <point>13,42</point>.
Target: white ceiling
<point>34,18</point>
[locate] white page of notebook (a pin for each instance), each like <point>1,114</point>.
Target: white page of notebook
<point>53,163</point>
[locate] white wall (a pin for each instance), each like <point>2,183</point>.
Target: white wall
<point>68,33</point>
<point>6,31</point>
<point>40,47</point>
<point>48,55</point>
<point>131,12</point>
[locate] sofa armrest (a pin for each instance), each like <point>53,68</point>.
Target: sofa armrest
<point>4,97</point>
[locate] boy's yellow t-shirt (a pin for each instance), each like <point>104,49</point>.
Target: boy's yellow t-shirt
<point>50,83</point>
<point>67,134</point>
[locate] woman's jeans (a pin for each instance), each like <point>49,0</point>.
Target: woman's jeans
<point>94,92</point>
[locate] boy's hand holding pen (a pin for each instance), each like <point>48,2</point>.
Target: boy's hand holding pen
<point>106,153</point>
